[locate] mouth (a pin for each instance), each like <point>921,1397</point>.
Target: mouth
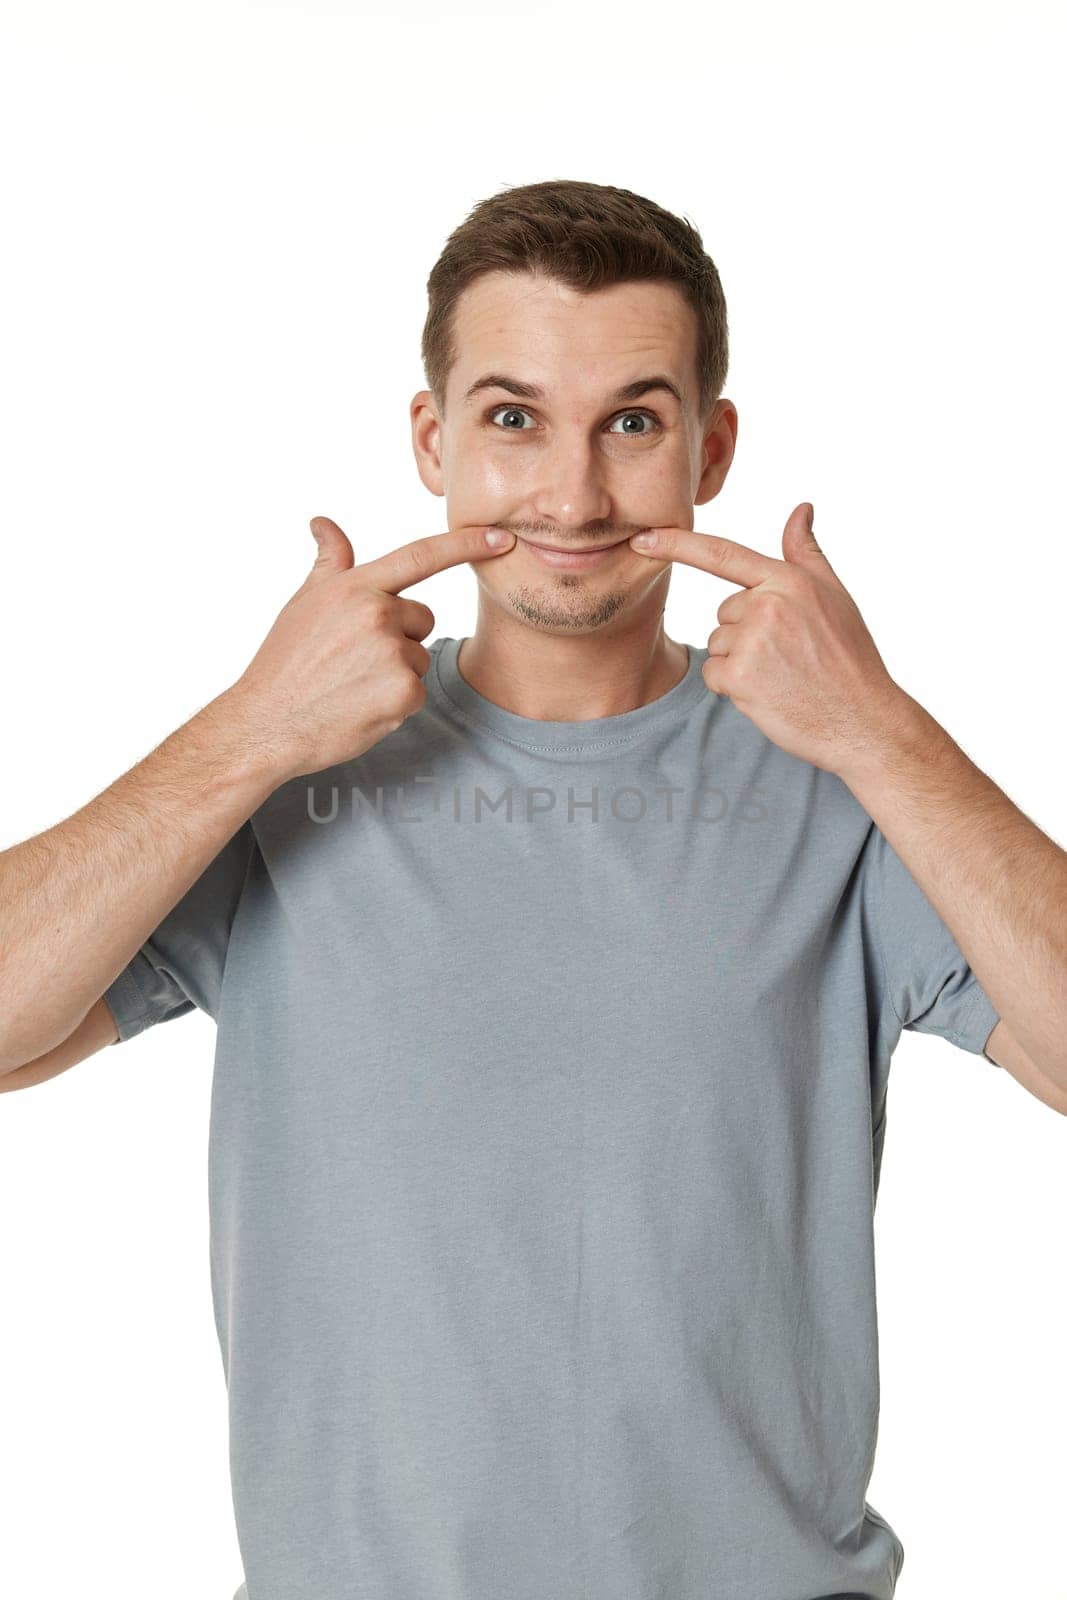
<point>574,559</point>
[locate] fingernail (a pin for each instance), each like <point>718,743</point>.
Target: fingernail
<point>644,541</point>
<point>497,536</point>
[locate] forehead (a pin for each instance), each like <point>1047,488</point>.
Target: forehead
<point>549,334</point>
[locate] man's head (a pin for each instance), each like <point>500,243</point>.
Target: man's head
<point>579,292</point>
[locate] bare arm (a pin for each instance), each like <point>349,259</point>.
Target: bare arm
<point>340,668</point>
<point>78,900</point>
<point>1004,1050</point>
<point>96,1029</point>
<point>996,880</point>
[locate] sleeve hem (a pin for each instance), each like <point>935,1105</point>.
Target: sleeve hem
<point>978,1018</point>
<point>127,1004</point>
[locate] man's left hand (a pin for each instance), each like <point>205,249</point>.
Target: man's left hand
<point>792,652</point>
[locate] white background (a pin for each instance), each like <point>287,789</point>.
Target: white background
<point>218,223</point>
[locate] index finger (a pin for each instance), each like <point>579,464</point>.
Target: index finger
<point>410,563</point>
<point>722,557</point>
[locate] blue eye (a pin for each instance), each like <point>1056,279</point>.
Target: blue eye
<point>521,411</point>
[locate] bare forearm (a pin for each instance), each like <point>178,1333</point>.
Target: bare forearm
<point>78,900</point>
<point>996,880</point>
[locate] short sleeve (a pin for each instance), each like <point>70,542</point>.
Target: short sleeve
<point>180,964</point>
<point>924,977</point>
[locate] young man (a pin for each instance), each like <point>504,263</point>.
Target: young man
<point>557,972</point>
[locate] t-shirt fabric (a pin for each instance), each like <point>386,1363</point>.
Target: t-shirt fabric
<point>547,1115</point>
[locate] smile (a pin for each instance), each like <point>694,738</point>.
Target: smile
<point>573,560</point>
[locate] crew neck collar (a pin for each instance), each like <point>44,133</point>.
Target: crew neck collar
<point>593,735</point>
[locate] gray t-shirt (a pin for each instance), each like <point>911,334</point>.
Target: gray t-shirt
<point>547,1115</point>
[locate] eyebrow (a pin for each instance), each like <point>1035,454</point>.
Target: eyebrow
<point>529,391</point>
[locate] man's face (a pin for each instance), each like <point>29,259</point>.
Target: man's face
<point>575,466</point>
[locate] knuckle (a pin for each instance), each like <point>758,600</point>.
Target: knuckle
<point>374,609</point>
<point>420,553</point>
<point>410,694</point>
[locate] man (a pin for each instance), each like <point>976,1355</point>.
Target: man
<point>557,972</point>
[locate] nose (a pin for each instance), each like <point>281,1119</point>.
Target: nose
<point>571,493</point>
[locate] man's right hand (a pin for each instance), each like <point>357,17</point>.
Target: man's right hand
<point>342,665</point>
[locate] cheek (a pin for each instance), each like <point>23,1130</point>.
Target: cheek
<point>482,484</point>
<point>667,480</point>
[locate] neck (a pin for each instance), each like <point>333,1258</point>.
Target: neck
<point>559,677</point>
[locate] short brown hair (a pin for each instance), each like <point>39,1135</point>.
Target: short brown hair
<point>587,235</point>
